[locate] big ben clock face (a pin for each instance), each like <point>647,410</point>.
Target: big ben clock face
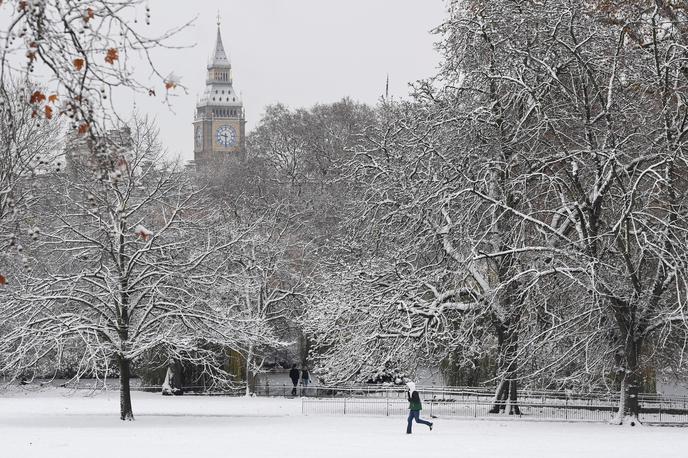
<point>226,136</point>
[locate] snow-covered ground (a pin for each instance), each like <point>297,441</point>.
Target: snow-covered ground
<point>50,423</point>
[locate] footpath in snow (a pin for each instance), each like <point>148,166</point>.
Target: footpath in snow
<point>59,423</point>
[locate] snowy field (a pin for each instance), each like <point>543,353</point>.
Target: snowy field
<point>58,424</point>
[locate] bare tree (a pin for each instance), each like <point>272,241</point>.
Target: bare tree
<point>29,147</point>
<point>296,178</point>
<point>547,156</point>
<point>65,59</point>
<point>128,264</point>
<point>86,49</point>
<point>592,115</point>
<point>269,288</point>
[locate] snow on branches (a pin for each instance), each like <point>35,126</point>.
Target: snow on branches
<point>85,49</point>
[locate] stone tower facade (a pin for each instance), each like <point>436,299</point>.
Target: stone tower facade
<point>219,124</point>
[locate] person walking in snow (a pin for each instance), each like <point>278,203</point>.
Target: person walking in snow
<point>294,376</point>
<point>415,407</point>
<point>305,379</point>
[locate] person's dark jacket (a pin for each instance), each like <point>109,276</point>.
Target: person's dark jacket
<point>294,375</point>
<point>304,375</point>
<point>414,401</point>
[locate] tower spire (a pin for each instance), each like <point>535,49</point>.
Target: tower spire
<point>219,58</point>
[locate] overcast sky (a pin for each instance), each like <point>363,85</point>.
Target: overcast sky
<point>298,52</point>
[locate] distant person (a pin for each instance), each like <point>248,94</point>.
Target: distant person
<point>305,377</point>
<point>415,407</point>
<point>294,376</point>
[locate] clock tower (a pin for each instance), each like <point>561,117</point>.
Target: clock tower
<point>219,124</point>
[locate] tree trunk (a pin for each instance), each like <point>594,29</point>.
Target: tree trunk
<point>628,361</point>
<point>635,377</point>
<point>629,404</point>
<point>506,393</point>
<point>125,410</point>
<point>513,396</point>
<point>500,397</point>
<point>249,356</point>
<point>507,390</point>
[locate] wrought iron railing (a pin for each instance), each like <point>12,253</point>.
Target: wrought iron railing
<point>441,401</point>
<point>573,410</point>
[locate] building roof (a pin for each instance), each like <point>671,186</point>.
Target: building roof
<point>219,92</point>
<point>219,57</point>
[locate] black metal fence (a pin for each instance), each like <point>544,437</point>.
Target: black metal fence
<point>568,411</point>
<point>445,409</point>
<point>442,401</point>
<point>477,403</point>
<point>473,402</point>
